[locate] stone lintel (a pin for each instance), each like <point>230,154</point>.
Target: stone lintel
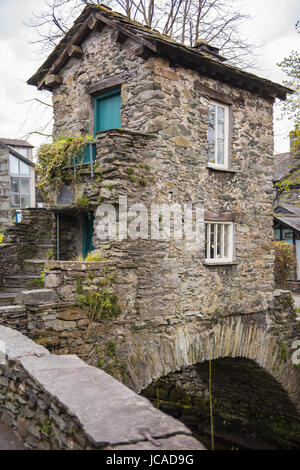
<point>107,84</point>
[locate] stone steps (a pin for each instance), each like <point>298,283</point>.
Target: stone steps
<point>45,251</point>
<point>22,282</point>
<point>7,298</point>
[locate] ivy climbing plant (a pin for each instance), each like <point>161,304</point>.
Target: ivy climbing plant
<point>55,160</point>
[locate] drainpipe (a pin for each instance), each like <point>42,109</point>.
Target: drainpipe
<point>91,160</point>
<point>57,236</point>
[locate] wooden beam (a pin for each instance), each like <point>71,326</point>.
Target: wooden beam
<point>127,32</point>
<point>213,94</point>
<point>75,51</point>
<point>120,37</point>
<point>108,83</point>
<point>141,51</point>
<point>53,80</point>
<point>94,24</point>
<point>210,216</point>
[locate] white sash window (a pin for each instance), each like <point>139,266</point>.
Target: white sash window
<point>219,242</point>
<point>218,135</point>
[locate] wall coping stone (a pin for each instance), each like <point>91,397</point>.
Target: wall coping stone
<point>76,265</point>
<point>18,345</point>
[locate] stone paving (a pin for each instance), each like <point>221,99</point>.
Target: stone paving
<point>8,440</point>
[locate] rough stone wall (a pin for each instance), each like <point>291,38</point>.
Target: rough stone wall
<point>59,402</point>
<point>4,187</point>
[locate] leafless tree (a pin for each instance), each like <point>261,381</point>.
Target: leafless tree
<point>219,22</point>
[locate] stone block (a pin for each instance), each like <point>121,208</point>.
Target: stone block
<point>37,297</point>
<point>53,280</point>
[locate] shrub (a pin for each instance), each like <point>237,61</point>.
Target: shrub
<point>285,262</point>
<point>91,256</point>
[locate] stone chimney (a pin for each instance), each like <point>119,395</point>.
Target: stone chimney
<point>203,46</point>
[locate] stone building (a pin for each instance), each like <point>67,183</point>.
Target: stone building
<point>17,177</point>
<point>170,125</point>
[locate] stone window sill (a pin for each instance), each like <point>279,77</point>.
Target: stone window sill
<point>219,263</point>
<point>211,166</point>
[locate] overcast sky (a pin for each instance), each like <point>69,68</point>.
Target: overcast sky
<point>273,25</point>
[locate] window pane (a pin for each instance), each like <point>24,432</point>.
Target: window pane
<point>220,157</point>
<point>25,189</point>
<point>226,241</point>
<point>23,152</point>
<point>15,200</point>
<point>14,164</point>
<point>277,233</point>
<point>221,120</point>
<point>212,240</point>
<point>220,135</point>
<point>211,133</point>
<point>15,185</point>
<point>24,169</point>
<point>219,240</point>
<point>25,202</point>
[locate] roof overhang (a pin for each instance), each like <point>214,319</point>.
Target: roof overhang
<point>95,17</point>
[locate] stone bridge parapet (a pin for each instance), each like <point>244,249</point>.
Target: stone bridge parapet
<point>59,402</point>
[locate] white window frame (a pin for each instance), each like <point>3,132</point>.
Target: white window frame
<point>226,136</point>
<point>221,259</point>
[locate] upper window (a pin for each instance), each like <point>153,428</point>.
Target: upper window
<point>108,111</point>
<point>218,130</point>
<point>219,242</point>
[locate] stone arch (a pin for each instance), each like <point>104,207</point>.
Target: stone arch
<point>233,337</point>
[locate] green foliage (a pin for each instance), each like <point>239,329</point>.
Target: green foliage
<point>291,66</point>
<point>100,362</point>
<point>54,158</point>
<point>285,260</point>
<point>100,305</point>
<point>1,237</point>
<point>91,256</point>
<point>143,182</point>
<point>129,171</point>
<point>82,202</point>
<point>47,427</point>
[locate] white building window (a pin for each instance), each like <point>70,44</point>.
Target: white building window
<point>218,135</point>
<point>19,183</point>
<point>219,242</point>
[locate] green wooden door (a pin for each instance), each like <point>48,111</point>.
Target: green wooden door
<point>88,231</point>
<point>108,111</point>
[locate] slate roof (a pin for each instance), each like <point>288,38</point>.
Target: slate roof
<point>157,44</point>
<point>293,222</point>
<point>282,165</point>
<point>15,142</point>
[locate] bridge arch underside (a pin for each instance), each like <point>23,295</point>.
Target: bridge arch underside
<point>251,410</point>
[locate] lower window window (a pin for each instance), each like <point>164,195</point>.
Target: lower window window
<point>219,241</point>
